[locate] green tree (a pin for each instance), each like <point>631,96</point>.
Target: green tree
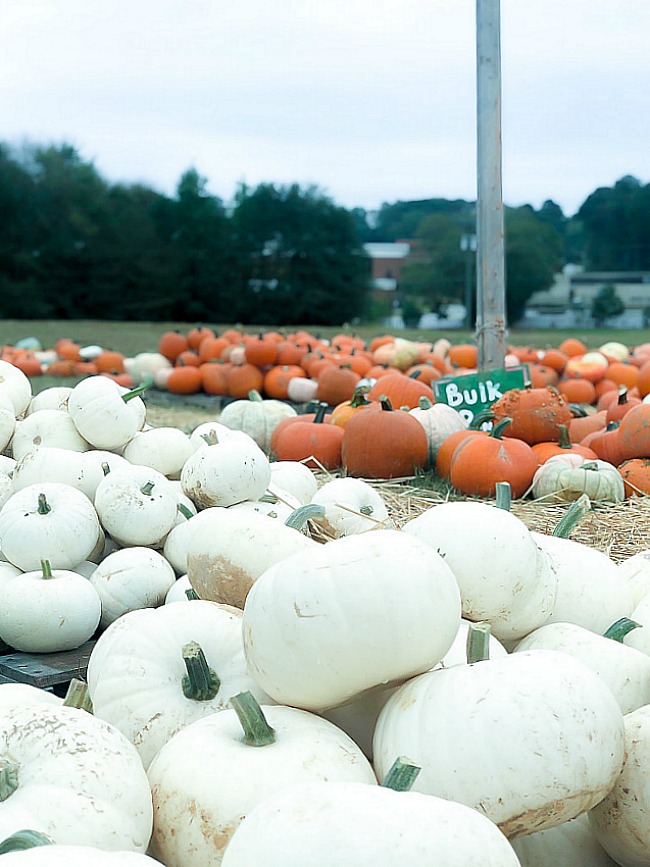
<point>606,304</point>
<point>533,256</point>
<point>616,221</point>
<point>300,259</point>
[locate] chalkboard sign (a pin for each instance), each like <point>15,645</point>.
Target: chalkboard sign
<point>474,392</point>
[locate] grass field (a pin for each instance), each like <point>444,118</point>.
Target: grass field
<point>132,337</point>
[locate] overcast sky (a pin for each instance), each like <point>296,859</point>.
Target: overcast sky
<point>371,100</point>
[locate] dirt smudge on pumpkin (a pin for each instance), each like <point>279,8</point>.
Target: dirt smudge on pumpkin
<point>218,579</point>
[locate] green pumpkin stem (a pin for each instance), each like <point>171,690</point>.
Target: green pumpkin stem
<point>43,506</point>
<point>402,775</point>
<point>255,396</point>
<point>620,628</point>
<point>185,512</point>
<point>201,683</point>
<point>503,495</point>
<point>46,570</point>
<point>319,416</point>
<point>77,695</point>
<point>299,517</point>
<point>136,392</point>
<point>147,489</point>
<point>424,402</point>
<point>359,397</point>
<point>564,440</point>
<point>8,779</point>
<point>385,403</point>
<point>27,839</point>
<point>478,642</point>
<point>257,731</point>
<point>192,595</point>
<point>480,418</point>
<point>499,427</point>
<point>577,510</point>
<point>210,438</point>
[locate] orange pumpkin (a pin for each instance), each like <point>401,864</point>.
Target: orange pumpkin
<point>634,432</point>
<point>580,426</point>
<point>463,355</point>
<point>616,409</point>
<point>636,476</point>
<point>212,347</point>
<point>572,346</point>
<point>342,413</point>
<point>479,462</point>
<point>401,390</point>
<point>336,384</point>
<point>185,379</point>
<point>564,446</point>
<point>196,335</point>
<point>578,390</point>
<point>448,446</point>
<point>383,445</point>
<point>171,344</point>
<point>536,413</point>
<point>110,360</point>
<point>277,378</point>
<point>214,377</point>
<point>623,373</point>
<point>242,378</point>
<point>316,443</point>
<point>261,350</point>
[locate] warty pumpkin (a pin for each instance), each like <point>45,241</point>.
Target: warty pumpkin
<point>536,413</point>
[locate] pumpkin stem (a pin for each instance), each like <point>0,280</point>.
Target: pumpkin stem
<point>564,440</point>
<point>77,696</point>
<point>480,418</point>
<point>185,512</point>
<point>366,510</point>
<point>578,411</point>
<point>299,517</point>
<point>147,488</point>
<point>255,396</point>
<point>401,776</point>
<point>359,397</point>
<point>257,731</point>
<point>192,595</point>
<point>478,642</point>
<point>8,779</point>
<point>385,403</point>
<point>499,427</point>
<point>210,438</point>
<point>135,392</point>
<point>201,683</point>
<point>620,628</point>
<point>424,402</point>
<point>46,570</point>
<point>577,510</point>
<point>105,468</point>
<point>622,395</point>
<point>503,495</point>
<point>414,374</point>
<point>43,506</point>
<point>27,839</point>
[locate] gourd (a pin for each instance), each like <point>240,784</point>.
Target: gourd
<point>223,765</point>
<point>356,825</point>
<point>131,578</point>
<point>226,551</point>
<point>626,671</point>
<point>106,414</point>
<point>351,506</point>
<point>153,672</point>
<point>48,610</point>
<point>342,596</point>
<point>137,506</point>
<point>98,790</point>
<point>46,427</point>
<point>567,477</point>
<point>48,521</point>
<point>503,575</point>
<point>256,417</point>
<point>546,730</point>
<point>165,449</point>
<point>620,820</point>
<point>225,473</point>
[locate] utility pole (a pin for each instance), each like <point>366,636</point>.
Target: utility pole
<point>490,276</point>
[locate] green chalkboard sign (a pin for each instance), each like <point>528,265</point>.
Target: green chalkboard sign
<point>474,392</point>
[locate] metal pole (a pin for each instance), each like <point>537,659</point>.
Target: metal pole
<point>490,276</point>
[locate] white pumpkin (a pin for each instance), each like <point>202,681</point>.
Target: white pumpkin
<point>226,551</point>
<point>640,638</point>
<point>48,521</point>
<point>48,610</point>
<point>16,386</point>
<point>46,427</point>
<point>351,506</point>
<point>302,389</point>
<point>98,790</point>
<point>439,421</point>
<point>75,856</point>
<point>137,506</point>
<point>208,769</point>
<point>257,417</point>
<point>294,477</point>
<point>225,473</point>
<point>144,365</point>
<point>567,477</point>
<point>620,820</point>
<point>52,464</point>
<point>146,678</point>
<point>546,731</point>
<point>106,414</point>
<point>343,597</point>
<point>55,397</point>
<point>24,693</point>
<point>179,590</point>
<point>163,448</point>
<point>131,578</point>
<point>636,570</point>
<point>591,592</point>
<point>355,825</point>
<point>212,432</point>
<point>503,575</point>
<point>626,671</point>
<point>7,420</point>
<point>571,844</point>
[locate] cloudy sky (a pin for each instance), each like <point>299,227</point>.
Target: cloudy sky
<point>371,100</point>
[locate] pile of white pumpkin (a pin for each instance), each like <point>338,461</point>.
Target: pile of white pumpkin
<point>256,722</point>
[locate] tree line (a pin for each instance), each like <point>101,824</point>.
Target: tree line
<point>73,246</point>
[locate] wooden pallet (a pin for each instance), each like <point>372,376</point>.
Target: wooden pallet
<point>46,670</point>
